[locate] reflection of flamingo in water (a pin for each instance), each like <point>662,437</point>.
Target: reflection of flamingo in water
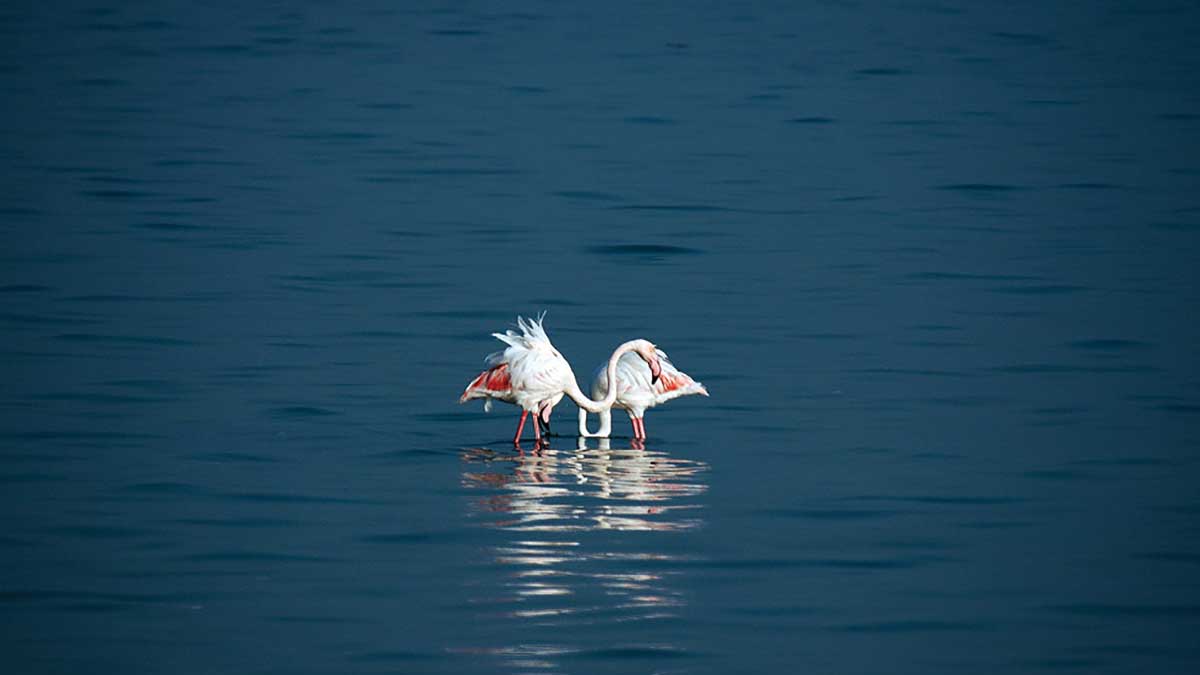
<point>637,390</point>
<point>532,374</point>
<point>602,489</point>
<point>558,565</point>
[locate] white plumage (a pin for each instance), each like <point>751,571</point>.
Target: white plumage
<point>638,391</point>
<point>538,372</point>
<point>533,375</point>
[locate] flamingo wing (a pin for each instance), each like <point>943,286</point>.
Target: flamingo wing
<point>495,382</point>
<point>673,380</point>
<point>634,386</point>
<point>673,383</point>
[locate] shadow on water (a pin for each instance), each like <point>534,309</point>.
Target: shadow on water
<point>588,545</point>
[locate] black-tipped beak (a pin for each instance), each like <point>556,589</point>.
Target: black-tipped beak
<point>655,371</point>
<point>545,417</point>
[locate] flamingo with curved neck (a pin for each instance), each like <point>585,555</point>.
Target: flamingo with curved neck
<point>638,389</point>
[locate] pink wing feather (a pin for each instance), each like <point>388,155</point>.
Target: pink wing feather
<point>494,381</point>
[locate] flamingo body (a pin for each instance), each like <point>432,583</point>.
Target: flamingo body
<point>530,373</point>
<point>637,391</point>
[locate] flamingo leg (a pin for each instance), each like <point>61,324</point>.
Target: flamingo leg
<point>633,421</point>
<point>642,427</point>
<point>520,427</point>
<point>543,416</point>
<point>537,430</point>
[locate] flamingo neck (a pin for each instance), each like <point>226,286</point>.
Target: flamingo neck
<point>610,374</point>
<point>605,424</point>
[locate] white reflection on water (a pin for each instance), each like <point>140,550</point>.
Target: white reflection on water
<point>552,490</point>
<point>571,563</point>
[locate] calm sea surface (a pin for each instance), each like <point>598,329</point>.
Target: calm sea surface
<point>936,262</point>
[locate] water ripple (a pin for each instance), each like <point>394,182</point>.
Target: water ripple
<point>643,251</point>
<point>1102,610</point>
<point>910,626</point>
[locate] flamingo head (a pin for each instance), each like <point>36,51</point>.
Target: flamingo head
<point>649,354</point>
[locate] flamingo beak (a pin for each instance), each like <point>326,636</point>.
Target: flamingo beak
<point>655,370</point>
<point>545,417</point>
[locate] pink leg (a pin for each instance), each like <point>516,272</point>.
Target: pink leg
<point>633,421</point>
<point>520,428</point>
<point>642,427</point>
<point>537,430</point>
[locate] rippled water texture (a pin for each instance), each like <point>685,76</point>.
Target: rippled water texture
<point>936,263</point>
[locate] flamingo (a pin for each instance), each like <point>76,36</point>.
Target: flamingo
<point>638,390</point>
<point>533,375</point>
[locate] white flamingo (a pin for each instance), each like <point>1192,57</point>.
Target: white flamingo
<point>637,390</point>
<point>533,375</point>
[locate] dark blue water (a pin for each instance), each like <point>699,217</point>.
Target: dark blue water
<point>936,262</point>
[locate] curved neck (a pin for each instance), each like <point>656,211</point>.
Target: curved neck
<point>583,430</point>
<point>605,424</point>
<point>610,375</point>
